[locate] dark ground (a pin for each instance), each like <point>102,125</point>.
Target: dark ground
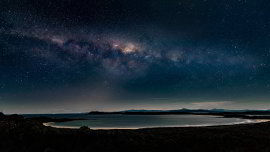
<point>23,135</point>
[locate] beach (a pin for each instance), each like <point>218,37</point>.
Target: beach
<point>52,124</point>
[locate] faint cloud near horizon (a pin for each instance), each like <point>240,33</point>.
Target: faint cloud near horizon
<point>212,104</point>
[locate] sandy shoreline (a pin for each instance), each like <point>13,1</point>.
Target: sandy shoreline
<point>248,121</point>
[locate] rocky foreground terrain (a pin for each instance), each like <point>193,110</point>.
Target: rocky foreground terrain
<point>18,134</point>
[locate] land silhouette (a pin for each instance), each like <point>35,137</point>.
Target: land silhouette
<point>18,133</point>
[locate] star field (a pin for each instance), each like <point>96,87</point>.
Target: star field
<point>116,53</point>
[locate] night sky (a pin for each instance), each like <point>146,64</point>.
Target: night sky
<point>80,55</point>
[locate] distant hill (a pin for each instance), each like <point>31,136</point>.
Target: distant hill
<point>187,111</point>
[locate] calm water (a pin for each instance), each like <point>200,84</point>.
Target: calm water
<point>142,121</point>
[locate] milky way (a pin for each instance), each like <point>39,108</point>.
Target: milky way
<point>118,54</point>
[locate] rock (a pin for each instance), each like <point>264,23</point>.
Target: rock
<point>2,115</point>
<point>84,128</point>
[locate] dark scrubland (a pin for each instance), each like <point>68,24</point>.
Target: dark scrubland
<point>18,134</point>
